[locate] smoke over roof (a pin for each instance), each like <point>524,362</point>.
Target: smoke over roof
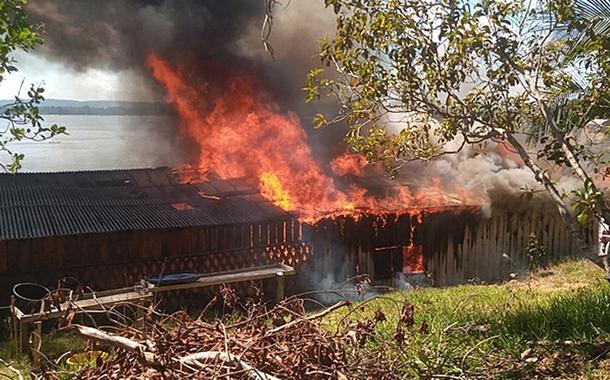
<point>219,36</point>
<point>118,34</point>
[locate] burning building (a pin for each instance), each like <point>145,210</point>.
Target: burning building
<point>258,189</point>
<point>112,228</point>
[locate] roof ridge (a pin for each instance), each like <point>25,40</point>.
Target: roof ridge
<point>110,170</point>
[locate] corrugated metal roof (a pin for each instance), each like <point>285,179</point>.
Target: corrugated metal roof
<point>36,205</point>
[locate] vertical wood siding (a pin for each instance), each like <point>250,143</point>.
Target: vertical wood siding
<point>111,260</point>
<point>490,249</point>
<point>459,245</point>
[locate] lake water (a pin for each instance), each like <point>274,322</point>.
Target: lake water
<point>102,142</point>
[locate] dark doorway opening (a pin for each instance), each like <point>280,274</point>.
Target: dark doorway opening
<point>387,262</point>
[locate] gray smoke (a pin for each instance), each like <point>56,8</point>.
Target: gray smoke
<point>217,36</point>
<point>118,34</point>
<point>214,37</point>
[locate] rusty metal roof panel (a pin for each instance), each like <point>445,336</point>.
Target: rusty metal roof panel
<point>34,205</point>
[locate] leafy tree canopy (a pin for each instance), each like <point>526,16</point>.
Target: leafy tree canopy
<point>22,118</point>
<point>473,71</point>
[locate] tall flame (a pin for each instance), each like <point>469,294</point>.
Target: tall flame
<point>241,133</point>
<point>242,136</point>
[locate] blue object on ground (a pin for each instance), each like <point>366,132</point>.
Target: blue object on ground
<point>174,278</point>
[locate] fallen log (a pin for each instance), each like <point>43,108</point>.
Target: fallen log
<point>253,373</point>
<point>118,342</point>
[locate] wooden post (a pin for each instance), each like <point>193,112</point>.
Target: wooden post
<point>24,334</point>
<point>20,328</point>
<point>14,320</point>
<point>279,288</point>
<point>36,345</point>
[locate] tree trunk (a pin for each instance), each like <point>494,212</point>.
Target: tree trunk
<point>601,205</point>
<point>558,135</point>
<point>549,185</point>
<point>543,179</point>
<point>580,171</point>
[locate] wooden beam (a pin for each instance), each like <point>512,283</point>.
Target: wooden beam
<point>228,277</point>
<point>24,333</point>
<point>85,304</point>
<point>36,345</point>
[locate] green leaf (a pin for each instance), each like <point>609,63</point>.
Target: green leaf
<point>319,120</point>
<point>583,217</point>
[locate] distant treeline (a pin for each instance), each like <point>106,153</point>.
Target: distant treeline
<point>158,109</point>
<point>100,107</point>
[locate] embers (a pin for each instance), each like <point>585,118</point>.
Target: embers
<point>182,206</point>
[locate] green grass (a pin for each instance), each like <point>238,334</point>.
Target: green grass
<point>53,346</point>
<point>481,331</point>
<point>559,317</point>
<point>8,353</point>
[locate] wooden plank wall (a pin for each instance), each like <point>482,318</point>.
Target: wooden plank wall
<point>118,259</point>
<point>490,249</point>
<point>460,245</point>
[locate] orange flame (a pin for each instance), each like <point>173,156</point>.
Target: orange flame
<point>271,188</point>
<point>241,133</point>
<point>348,164</point>
<point>413,259</point>
<point>243,136</point>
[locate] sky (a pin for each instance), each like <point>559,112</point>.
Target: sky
<point>296,31</point>
<point>62,82</point>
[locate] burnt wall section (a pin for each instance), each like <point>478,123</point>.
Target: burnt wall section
<point>118,259</point>
<point>459,244</point>
<point>344,247</point>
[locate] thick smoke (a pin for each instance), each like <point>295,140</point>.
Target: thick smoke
<point>118,34</point>
<point>217,36</point>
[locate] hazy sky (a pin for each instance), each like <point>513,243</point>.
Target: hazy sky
<point>63,82</point>
<point>297,29</point>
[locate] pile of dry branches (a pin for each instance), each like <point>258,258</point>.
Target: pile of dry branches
<point>265,344</point>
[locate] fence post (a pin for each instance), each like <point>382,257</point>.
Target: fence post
<point>36,345</point>
<point>279,287</point>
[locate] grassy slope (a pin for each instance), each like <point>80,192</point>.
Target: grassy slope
<point>553,324</point>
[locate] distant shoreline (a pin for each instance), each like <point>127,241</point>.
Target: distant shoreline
<point>114,111</point>
<point>99,107</point>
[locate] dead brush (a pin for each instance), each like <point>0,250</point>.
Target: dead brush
<point>282,342</point>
